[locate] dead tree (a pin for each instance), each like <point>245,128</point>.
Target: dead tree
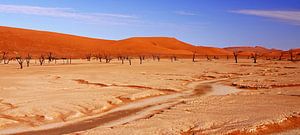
<point>20,61</point>
<point>122,59</point>
<point>8,60</point>
<point>173,58</point>
<point>153,57</point>
<point>42,59</point>
<point>207,57</point>
<point>129,60</point>
<point>107,58</point>
<point>291,54</point>
<point>63,59</point>
<point>194,56</point>
<point>254,56</point>
<point>141,59</point>
<point>5,58</point>
<point>281,55</point>
<point>235,54</point>
<point>55,59</point>
<point>28,58</point>
<point>88,57</point>
<point>99,57</point>
<point>49,57</point>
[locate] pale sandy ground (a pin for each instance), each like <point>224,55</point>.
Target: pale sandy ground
<point>153,98</point>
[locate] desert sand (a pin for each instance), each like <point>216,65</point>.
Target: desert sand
<point>21,42</point>
<point>180,97</point>
<point>173,95</point>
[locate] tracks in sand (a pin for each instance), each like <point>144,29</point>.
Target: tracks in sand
<point>123,114</point>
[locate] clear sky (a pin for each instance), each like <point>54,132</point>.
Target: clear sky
<point>220,23</point>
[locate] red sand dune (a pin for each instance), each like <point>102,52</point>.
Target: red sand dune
<point>21,41</point>
<point>18,41</point>
<point>247,51</point>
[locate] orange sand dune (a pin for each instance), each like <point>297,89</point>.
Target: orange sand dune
<point>164,45</point>
<point>20,42</point>
<point>247,50</point>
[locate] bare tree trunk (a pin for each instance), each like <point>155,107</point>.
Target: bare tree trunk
<point>141,59</point>
<point>235,54</point>
<point>88,57</point>
<point>42,60</point>
<point>254,56</point>
<point>107,59</point>
<point>153,57</point>
<point>20,61</point>
<point>281,55</point>
<point>291,54</point>
<point>129,59</point>
<point>49,57</point>
<point>207,57</point>
<point>236,58</point>
<point>28,58</point>
<point>194,56</point>
<point>5,57</point>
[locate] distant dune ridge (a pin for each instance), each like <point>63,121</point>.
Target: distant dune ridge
<point>20,42</point>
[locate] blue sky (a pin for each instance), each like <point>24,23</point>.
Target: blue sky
<point>271,23</point>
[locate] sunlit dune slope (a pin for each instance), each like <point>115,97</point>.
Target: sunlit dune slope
<point>247,50</point>
<point>20,42</point>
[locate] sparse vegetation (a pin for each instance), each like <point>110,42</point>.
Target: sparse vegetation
<point>141,59</point>
<point>281,55</point>
<point>254,56</point>
<point>20,60</point>
<point>173,58</point>
<point>129,60</point>
<point>107,58</point>
<point>28,58</point>
<point>207,58</point>
<point>42,59</point>
<point>99,57</point>
<point>88,56</point>
<point>50,57</point>
<point>291,54</point>
<point>194,56</point>
<point>235,54</point>
<point>5,58</point>
<point>122,59</point>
